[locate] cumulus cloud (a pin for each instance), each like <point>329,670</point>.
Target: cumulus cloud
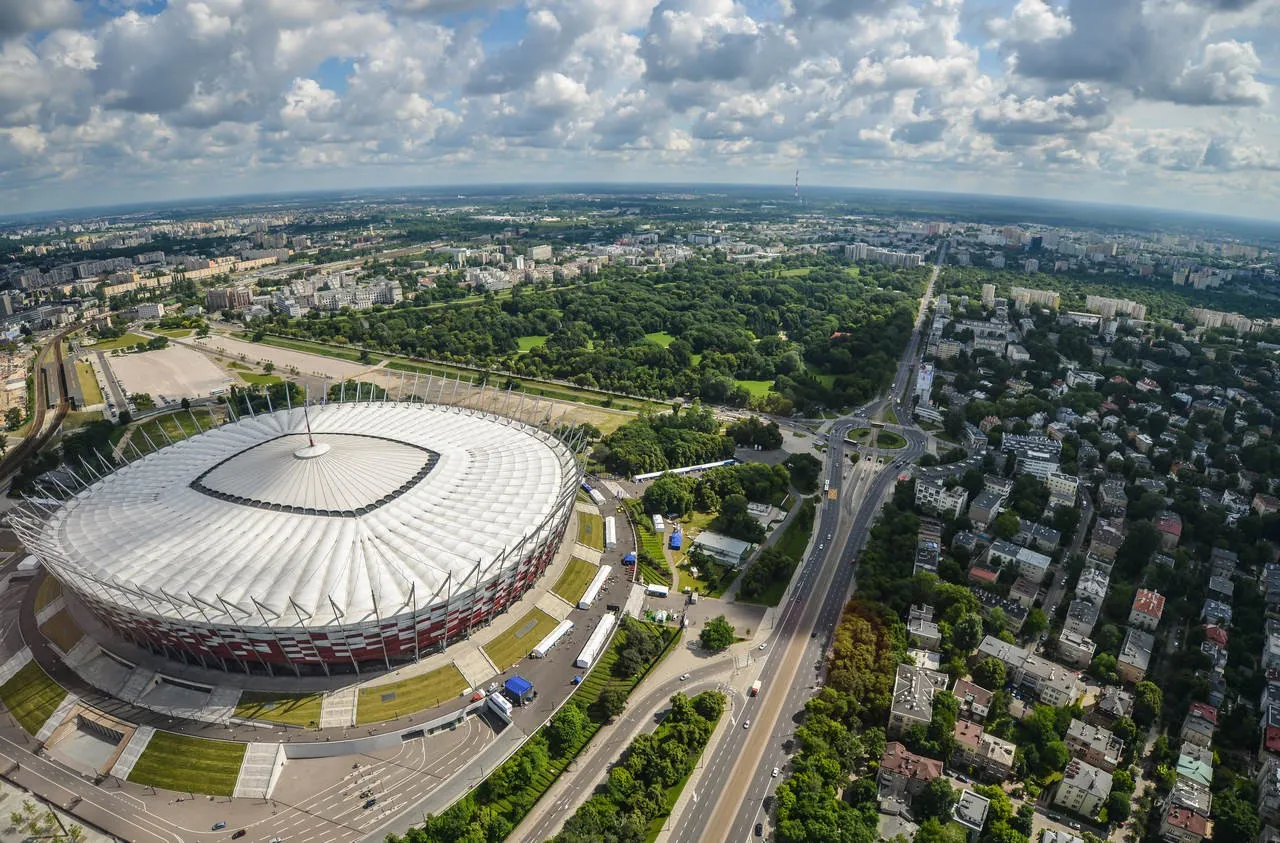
<point>139,97</point>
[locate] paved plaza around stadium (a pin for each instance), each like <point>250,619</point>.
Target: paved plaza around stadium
<point>169,374</point>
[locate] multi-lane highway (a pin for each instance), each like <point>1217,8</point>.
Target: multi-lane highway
<point>731,802</point>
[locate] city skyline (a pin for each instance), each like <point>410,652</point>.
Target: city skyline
<point>1162,105</point>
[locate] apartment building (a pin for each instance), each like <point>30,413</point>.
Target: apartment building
<point>1094,744</point>
<point>1083,789</point>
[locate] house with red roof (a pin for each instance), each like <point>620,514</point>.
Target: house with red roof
<point>1169,525</point>
<point>1148,606</point>
<point>1183,825</point>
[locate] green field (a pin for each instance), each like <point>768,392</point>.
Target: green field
<point>575,579</point>
<point>591,530</point>
<point>530,342</point>
<point>402,364</point>
<point>795,271</point>
<point>297,709</point>
<point>889,439</point>
<point>175,333</point>
<point>521,637</point>
<point>49,590</point>
<point>190,765</point>
<point>828,381</point>
<point>255,379</point>
<point>123,341</point>
<point>889,416</point>
<point>62,631</point>
<point>88,384</point>
<point>661,338</point>
<point>31,696</point>
<point>387,702</point>
<point>758,389</point>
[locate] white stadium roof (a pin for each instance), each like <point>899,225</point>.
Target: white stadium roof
<point>395,503</point>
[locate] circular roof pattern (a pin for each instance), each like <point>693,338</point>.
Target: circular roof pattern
<point>396,505</point>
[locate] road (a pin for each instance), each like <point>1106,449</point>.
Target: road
<point>578,783</point>
<point>1057,587</point>
<point>742,763</point>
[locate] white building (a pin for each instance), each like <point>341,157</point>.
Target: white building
<point>1083,789</point>
<point>933,497</point>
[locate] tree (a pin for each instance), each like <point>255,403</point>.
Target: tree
<point>566,729</point>
<point>1006,525</point>
<point>1234,818</point>
<point>13,418</point>
<point>668,494</point>
<point>966,633</point>
<point>989,673</point>
<point>805,470</point>
<point>268,367</point>
<point>936,800</point>
<point>186,403</point>
<point>1035,623</point>
<point>717,634</point>
<point>1147,702</point>
<point>935,831</point>
<point>613,701</point>
<point>125,418</point>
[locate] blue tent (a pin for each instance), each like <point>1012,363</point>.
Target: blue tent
<point>519,688</point>
<point>629,559</point>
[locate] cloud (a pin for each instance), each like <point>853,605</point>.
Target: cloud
<point>143,100</point>
<point>21,16</point>
<point>1081,110</point>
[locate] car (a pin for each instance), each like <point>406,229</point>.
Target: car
<point>961,777</point>
<point>774,774</point>
<point>759,829</point>
<point>1075,825</point>
<point>746,724</point>
<point>813,635</point>
<point>684,677</point>
<point>822,547</point>
<point>219,825</point>
<point>369,803</point>
<point>576,680</point>
<point>239,834</point>
<point>762,646</point>
<point>828,537</point>
<point>477,696</point>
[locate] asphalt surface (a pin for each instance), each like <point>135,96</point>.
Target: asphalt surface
<point>1057,587</point>
<point>741,766</point>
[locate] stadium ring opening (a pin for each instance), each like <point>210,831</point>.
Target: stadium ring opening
<point>338,538</point>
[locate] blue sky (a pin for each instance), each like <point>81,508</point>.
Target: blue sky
<point>1161,102</point>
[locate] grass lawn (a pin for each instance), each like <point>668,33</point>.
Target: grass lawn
<point>50,589</point>
<point>889,416</point>
<point>178,424</point>
<point>889,439</point>
<point>530,342</point>
<point>826,380</point>
<point>795,271</point>
<point>260,380</point>
<point>521,637</point>
<point>403,364</point>
<point>387,702</point>
<point>298,709</point>
<point>31,696</point>
<point>191,765</point>
<point>650,543</point>
<point>74,421</point>
<point>88,384</point>
<point>62,631</point>
<point>123,341</point>
<point>175,333</point>
<point>591,530</point>
<point>758,389</point>
<point>575,579</point>
<point>661,338</point>
<point>244,367</point>
<point>859,434</point>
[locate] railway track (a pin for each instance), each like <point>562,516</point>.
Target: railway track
<point>39,434</point>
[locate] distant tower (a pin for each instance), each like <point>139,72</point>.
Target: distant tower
<point>797,186</point>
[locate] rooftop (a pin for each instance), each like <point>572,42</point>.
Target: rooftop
<point>1149,603</point>
<point>897,759</point>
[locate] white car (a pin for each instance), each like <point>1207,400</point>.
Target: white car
<point>684,678</point>
<point>746,724</point>
<point>762,646</point>
<point>774,774</point>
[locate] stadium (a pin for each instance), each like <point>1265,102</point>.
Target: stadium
<point>338,538</point>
